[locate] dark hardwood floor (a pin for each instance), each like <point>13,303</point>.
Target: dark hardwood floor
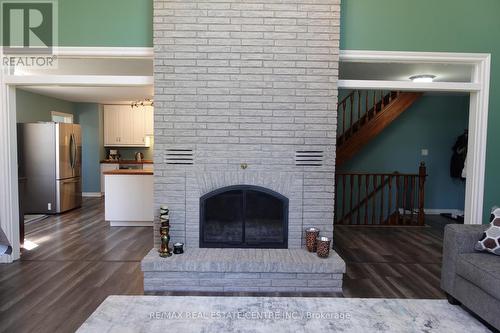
<point>391,262</point>
<point>80,260</point>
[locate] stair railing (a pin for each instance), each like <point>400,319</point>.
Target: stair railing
<point>380,198</point>
<point>359,106</point>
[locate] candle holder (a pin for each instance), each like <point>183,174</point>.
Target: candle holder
<point>311,235</point>
<point>164,250</point>
<point>178,248</point>
<point>323,247</point>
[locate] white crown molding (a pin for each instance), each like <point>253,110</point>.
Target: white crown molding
<point>105,52</point>
<point>409,85</point>
<point>412,57</point>
<point>79,80</point>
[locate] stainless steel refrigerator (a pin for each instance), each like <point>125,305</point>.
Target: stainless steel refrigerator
<point>50,156</point>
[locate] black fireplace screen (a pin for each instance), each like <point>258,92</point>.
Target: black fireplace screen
<point>244,217</point>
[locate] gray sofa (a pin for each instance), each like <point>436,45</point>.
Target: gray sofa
<point>469,277</point>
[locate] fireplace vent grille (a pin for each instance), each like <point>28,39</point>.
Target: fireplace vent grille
<point>179,156</point>
<point>309,157</point>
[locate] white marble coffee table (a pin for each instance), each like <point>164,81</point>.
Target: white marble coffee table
<point>272,314</point>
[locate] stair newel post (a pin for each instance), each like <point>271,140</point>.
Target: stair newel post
<point>382,191</point>
<point>422,175</point>
<point>359,199</point>
<point>367,185</point>
<point>398,200</point>
<point>351,181</point>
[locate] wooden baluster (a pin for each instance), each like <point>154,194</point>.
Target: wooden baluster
<point>359,106</point>
<point>374,102</point>
<point>374,202</point>
<point>382,102</point>
<point>405,189</point>
<point>343,199</point>
<point>351,110</point>
<point>366,105</point>
<point>398,184</point>
<point>422,174</point>
<point>343,119</point>
<point>382,179</point>
<point>389,200</point>
<point>350,199</point>
<point>367,182</point>
<point>412,198</point>
<point>359,199</point>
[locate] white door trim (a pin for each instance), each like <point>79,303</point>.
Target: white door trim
<point>8,149</point>
<point>478,111</point>
<point>9,213</point>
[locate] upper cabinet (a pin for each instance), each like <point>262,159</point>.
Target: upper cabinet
<point>125,126</point>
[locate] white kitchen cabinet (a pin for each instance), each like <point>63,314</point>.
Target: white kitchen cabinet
<point>125,126</point>
<point>148,121</point>
<point>107,167</point>
<point>129,200</point>
<point>111,125</point>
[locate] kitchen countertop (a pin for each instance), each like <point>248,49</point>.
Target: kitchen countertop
<point>127,162</point>
<point>129,172</point>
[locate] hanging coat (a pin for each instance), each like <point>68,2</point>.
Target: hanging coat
<point>458,157</point>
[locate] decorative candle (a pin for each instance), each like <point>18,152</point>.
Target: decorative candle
<point>311,235</point>
<point>323,247</point>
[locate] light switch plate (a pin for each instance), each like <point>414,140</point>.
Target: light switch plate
<point>425,152</point>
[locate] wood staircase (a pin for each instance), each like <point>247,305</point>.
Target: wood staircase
<point>374,199</point>
<point>364,115</point>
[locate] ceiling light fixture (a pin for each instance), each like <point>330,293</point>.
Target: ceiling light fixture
<point>146,102</point>
<point>423,78</point>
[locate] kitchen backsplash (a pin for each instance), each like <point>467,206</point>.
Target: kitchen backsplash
<point>129,153</point>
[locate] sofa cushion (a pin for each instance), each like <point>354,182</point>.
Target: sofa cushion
<point>490,241</point>
<point>481,269</point>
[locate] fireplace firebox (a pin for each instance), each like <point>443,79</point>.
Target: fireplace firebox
<point>244,216</point>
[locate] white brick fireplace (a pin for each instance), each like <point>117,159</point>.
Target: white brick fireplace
<point>245,94</point>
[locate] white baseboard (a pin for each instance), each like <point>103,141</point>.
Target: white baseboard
<point>433,211</point>
<point>92,194</point>
<point>130,223</point>
<point>453,212</point>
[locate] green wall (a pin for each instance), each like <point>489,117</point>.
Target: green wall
<point>90,117</point>
<point>106,23</point>
<point>432,123</point>
<point>32,107</point>
<point>429,25</point>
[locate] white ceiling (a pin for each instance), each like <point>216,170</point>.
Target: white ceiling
<point>102,95</point>
<point>402,72</point>
<point>95,66</point>
<point>144,67</point>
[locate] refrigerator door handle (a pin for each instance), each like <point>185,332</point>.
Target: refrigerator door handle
<point>72,150</point>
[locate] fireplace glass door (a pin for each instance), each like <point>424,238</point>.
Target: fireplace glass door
<point>244,217</point>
